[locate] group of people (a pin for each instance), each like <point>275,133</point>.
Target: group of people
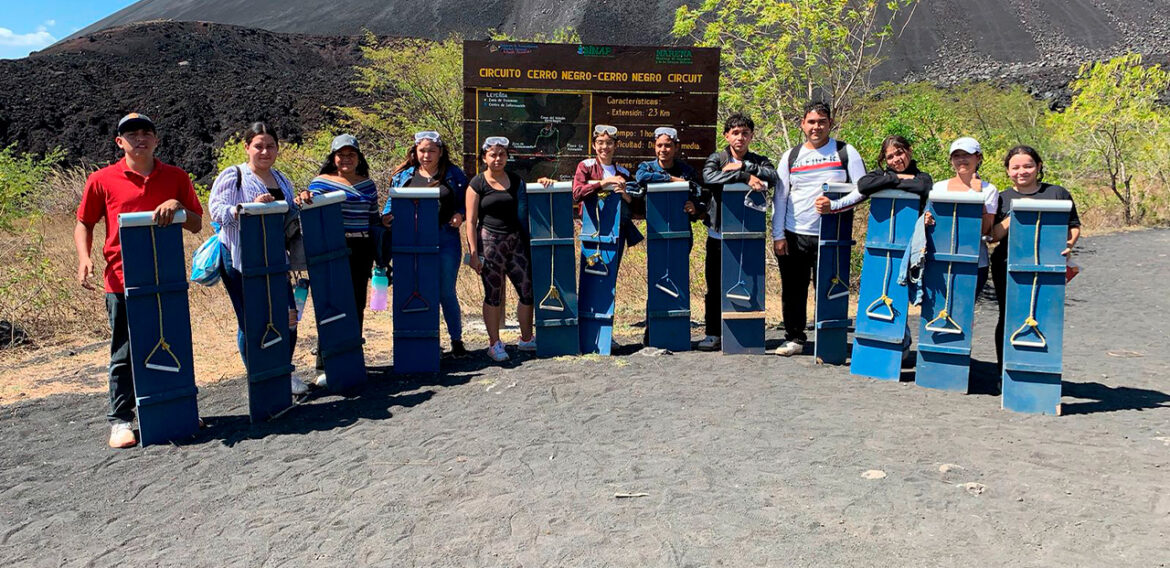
<point>493,216</point>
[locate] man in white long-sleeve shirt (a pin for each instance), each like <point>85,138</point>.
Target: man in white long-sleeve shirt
<point>796,225</point>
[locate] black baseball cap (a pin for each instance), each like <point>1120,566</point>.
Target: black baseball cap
<point>135,121</point>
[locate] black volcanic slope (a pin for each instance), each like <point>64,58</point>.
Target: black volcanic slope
<point>978,37</point>
<point>200,82</point>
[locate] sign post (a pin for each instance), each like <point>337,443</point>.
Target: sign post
<point>546,98</point>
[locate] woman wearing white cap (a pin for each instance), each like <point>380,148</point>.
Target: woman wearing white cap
<point>254,181</point>
<point>428,164</point>
<point>966,157</point>
<point>346,169</point>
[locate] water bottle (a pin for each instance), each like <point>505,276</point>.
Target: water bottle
<point>300,295</point>
<point>381,284</point>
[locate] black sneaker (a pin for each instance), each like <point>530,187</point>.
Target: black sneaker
<point>458,351</point>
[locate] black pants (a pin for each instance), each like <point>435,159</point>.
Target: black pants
<point>713,299</point>
<point>999,278</point>
<point>796,272</point>
<point>361,264</point>
<point>121,375</point>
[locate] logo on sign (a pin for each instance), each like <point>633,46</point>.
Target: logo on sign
<point>673,56</point>
<point>510,48</point>
<point>595,50</point>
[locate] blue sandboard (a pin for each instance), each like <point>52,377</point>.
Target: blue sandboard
<point>415,250</point>
<point>267,341</point>
<point>744,243</point>
<point>159,319</point>
<point>339,334</point>
<point>1032,354</point>
<point>881,302</point>
<point>668,299</point>
<point>831,312</point>
<point>948,281</point>
<point>601,255</point>
<point>554,274</point>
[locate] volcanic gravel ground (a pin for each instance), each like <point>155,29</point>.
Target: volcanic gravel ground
<point>692,459</point>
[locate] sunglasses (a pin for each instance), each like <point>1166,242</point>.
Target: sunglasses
<point>427,135</point>
<point>604,129</point>
<point>667,131</point>
<point>496,141</point>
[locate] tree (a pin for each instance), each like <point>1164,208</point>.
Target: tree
<point>1110,124</point>
<point>778,55</point>
<point>415,85</point>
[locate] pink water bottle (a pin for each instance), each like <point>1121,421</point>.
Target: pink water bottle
<point>381,284</point>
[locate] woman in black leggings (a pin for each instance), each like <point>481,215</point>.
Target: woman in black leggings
<point>497,240</point>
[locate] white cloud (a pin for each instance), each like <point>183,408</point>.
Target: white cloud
<point>35,40</point>
<point>50,23</point>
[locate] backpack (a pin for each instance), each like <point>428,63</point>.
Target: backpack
<point>210,256</point>
<point>794,153</point>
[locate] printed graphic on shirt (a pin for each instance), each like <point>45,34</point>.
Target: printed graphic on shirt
<point>801,186</point>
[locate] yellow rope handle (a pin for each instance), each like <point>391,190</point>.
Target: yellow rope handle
<point>1030,321</point>
<point>553,293</point>
<point>162,340</point>
<point>836,279</point>
<point>885,298</point>
<point>268,289</point>
<point>944,313</point>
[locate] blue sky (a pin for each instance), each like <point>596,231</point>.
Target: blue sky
<point>30,25</point>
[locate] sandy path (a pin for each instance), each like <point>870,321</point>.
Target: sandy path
<point>747,461</point>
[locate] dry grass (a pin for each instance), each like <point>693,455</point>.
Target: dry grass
<point>70,331</point>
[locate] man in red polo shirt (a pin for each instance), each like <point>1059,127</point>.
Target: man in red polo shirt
<point>138,182</point>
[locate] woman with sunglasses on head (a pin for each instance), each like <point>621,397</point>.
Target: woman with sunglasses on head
<point>346,169</point>
<point>1025,169</point>
<point>593,183</point>
<point>497,241</point>
<point>255,181</point>
<point>428,164</point>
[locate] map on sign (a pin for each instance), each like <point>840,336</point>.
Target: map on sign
<point>549,131</point>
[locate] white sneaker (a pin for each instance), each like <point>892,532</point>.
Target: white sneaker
<point>790,348</point>
<point>709,343</point>
<point>529,345</point>
<point>497,352</point>
<point>321,381</point>
<point>298,386</point>
<point>122,436</point>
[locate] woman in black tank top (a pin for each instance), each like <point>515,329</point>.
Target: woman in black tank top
<point>497,238</point>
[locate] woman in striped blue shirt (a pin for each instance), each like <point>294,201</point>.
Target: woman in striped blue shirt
<point>346,169</point>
